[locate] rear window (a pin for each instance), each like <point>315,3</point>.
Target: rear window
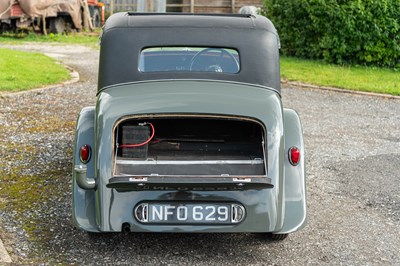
<point>189,59</point>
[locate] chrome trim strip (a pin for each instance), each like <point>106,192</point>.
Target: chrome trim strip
<point>143,212</point>
<point>175,162</point>
<point>185,115</point>
<point>188,79</point>
<point>240,178</point>
<point>237,209</point>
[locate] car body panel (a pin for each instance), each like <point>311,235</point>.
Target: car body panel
<point>295,179</point>
<point>191,97</point>
<point>83,203</point>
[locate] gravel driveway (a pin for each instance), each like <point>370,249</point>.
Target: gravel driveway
<point>353,157</point>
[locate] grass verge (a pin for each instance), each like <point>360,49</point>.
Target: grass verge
<point>293,69</point>
<point>357,78</point>
<point>85,38</point>
<point>26,70</point>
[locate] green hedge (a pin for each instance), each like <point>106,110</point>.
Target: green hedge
<point>365,32</point>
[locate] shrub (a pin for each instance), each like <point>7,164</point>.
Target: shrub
<point>365,32</point>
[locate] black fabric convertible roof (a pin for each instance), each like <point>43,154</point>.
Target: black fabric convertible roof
<point>125,35</point>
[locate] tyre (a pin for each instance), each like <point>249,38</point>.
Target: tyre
<point>270,236</point>
<point>96,18</point>
<point>57,25</point>
<point>4,27</point>
<point>279,237</point>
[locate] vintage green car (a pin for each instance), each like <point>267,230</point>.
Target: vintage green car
<point>188,133</point>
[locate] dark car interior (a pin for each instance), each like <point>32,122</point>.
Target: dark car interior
<point>190,59</point>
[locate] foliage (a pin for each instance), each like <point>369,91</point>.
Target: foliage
<point>365,32</point>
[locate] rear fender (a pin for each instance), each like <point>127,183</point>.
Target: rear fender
<point>83,200</point>
<point>295,178</point>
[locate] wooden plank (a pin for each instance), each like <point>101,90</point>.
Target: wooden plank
<point>191,6</point>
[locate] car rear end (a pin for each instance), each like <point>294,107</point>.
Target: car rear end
<point>188,133</point>
<point>189,156</point>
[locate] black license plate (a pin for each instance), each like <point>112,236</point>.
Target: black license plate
<point>190,213</point>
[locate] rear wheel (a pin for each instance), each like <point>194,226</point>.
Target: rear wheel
<point>279,237</point>
<point>3,27</point>
<point>57,25</point>
<point>96,18</point>
<point>270,236</point>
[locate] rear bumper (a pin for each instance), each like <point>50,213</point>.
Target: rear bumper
<point>189,183</point>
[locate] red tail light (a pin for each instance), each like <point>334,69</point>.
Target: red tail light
<point>294,156</point>
<point>85,153</point>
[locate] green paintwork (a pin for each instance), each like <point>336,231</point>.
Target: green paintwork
<point>295,179</point>
<point>268,210</point>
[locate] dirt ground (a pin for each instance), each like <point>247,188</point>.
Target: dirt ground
<point>352,160</point>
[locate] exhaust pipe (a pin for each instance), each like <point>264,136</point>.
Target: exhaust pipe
<point>126,228</point>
